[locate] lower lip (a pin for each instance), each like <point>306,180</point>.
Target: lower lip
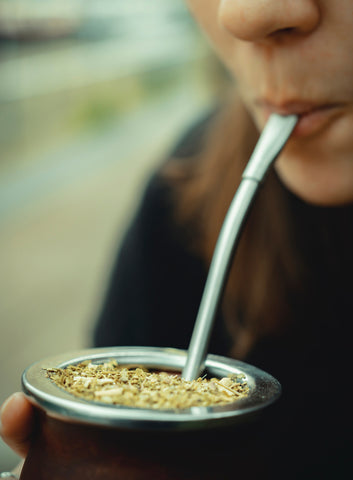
<point>314,121</point>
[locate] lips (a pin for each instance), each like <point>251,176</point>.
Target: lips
<point>313,117</point>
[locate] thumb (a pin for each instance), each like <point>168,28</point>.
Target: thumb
<point>17,423</point>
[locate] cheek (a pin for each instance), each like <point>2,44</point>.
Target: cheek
<point>236,55</point>
<point>205,13</point>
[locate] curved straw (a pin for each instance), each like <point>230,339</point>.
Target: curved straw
<point>272,140</point>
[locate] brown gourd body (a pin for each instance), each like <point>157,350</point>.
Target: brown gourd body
<point>74,451</point>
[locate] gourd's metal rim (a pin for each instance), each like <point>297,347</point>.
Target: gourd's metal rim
<point>264,390</point>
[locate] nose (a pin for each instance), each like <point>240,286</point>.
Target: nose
<point>259,20</point>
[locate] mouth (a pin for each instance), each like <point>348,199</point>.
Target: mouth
<point>312,117</point>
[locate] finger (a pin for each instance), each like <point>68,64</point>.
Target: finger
<point>17,423</point>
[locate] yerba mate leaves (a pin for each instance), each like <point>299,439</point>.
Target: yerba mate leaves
<point>135,386</point>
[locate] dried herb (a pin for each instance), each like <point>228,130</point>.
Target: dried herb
<point>137,387</point>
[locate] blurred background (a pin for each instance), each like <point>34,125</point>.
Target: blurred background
<point>93,94</point>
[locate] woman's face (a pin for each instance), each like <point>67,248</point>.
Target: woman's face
<point>294,56</point>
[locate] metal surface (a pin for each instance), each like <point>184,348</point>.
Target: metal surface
<point>270,144</point>
<point>263,390</point>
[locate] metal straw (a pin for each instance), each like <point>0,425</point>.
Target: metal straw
<point>272,140</point>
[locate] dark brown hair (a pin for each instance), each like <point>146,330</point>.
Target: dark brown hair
<point>265,265</point>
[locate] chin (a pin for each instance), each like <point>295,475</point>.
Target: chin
<point>319,168</point>
<point>321,190</point>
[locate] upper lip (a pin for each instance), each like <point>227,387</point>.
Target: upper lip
<point>295,107</point>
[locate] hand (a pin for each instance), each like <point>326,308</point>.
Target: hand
<point>17,423</point>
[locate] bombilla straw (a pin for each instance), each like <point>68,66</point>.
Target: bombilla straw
<point>272,139</point>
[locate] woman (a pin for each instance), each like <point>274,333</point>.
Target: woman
<point>288,301</point>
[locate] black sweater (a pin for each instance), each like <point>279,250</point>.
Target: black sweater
<point>153,298</point>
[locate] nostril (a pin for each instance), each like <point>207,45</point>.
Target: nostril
<point>283,31</point>
<point>286,30</point>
